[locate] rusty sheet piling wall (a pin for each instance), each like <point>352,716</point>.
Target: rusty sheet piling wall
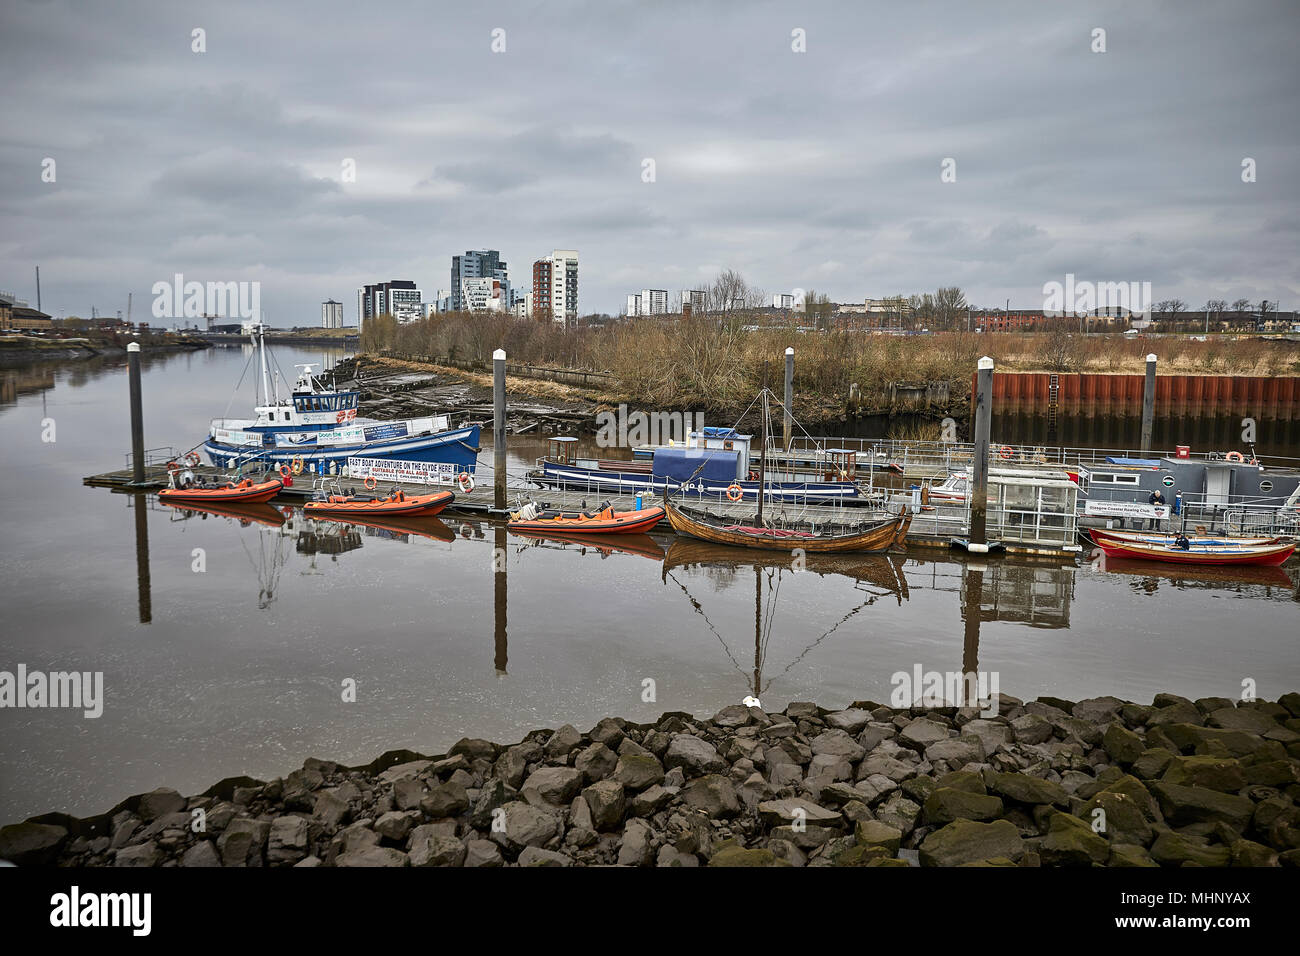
<point>1090,394</point>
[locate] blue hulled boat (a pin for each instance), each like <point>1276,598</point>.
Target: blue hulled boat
<point>715,463</point>
<point>319,426</point>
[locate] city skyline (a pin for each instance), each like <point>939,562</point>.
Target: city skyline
<point>829,155</point>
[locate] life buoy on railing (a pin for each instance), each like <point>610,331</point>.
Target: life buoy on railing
<point>173,467</point>
<point>1004,452</point>
<point>1235,456</point>
<point>284,471</point>
<point>735,492</point>
<point>297,465</point>
<point>192,459</point>
<point>466,482</point>
<point>370,483</point>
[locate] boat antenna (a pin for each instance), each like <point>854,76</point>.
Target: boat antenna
<point>266,377</point>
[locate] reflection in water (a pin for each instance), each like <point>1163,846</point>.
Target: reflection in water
<point>24,381</point>
<point>1148,576</point>
<point>874,575</point>
<point>973,612</point>
<point>499,600</point>
<point>140,504</point>
<point>603,545</point>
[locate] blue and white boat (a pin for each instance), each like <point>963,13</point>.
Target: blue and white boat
<point>319,426</point>
<point>715,463</point>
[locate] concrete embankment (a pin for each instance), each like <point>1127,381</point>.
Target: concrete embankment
<point>29,352</point>
<point>1098,782</point>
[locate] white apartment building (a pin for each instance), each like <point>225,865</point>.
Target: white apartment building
<point>555,286</point>
<point>483,294</point>
<point>331,314</point>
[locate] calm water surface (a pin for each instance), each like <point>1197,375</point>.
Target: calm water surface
<point>238,669</point>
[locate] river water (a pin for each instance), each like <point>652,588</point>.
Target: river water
<point>239,668</point>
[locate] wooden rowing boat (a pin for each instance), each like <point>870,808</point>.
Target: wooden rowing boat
<point>1154,537</point>
<point>877,536</point>
<point>1264,554</point>
<point>604,520</point>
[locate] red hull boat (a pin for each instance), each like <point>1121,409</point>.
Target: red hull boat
<point>605,520</point>
<point>398,504</point>
<point>1269,555</point>
<point>242,492</point>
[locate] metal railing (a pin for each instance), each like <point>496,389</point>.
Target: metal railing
<point>153,457</point>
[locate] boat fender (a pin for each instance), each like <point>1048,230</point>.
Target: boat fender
<point>370,483</point>
<point>1234,456</point>
<point>466,481</point>
<point>735,492</point>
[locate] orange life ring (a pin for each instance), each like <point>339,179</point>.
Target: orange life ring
<point>735,492</point>
<point>192,459</point>
<point>370,483</point>
<point>466,481</point>
<point>284,471</point>
<point>1004,452</point>
<point>1235,456</point>
<point>173,467</point>
<point>297,465</point>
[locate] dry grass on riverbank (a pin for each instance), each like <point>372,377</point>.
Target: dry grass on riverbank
<point>718,366</point>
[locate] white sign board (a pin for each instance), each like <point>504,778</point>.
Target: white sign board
<point>392,469</point>
<point>228,436</point>
<point>1126,509</point>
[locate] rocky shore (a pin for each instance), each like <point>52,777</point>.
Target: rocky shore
<point>1050,782</point>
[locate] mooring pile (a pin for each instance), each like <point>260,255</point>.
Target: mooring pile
<point>1050,782</point>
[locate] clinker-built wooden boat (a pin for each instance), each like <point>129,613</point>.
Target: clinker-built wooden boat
<point>1165,538</point>
<point>879,535</point>
<point>603,520</point>
<point>1263,554</point>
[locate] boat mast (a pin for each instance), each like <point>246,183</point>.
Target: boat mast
<point>261,344</point>
<point>762,460</point>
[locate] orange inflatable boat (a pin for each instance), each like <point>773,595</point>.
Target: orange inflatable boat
<point>246,491</point>
<point>398,503</point>
<point>604,520</point>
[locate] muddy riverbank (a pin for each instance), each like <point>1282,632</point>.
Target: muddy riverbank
<point>16,352</point>
<point>1050,782</point>
<point>397,388</point>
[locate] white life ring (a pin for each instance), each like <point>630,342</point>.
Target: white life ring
<point>466,482</point>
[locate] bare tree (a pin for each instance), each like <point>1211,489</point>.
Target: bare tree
<point>949,302</point>
<point>1240,305</point>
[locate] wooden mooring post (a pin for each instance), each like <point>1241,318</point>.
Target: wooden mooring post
<point>137,413</point>
<point>499,428</point>
<point>979,495</point>
<point>1149,403</point>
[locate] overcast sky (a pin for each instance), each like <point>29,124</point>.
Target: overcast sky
<point>818,169</point>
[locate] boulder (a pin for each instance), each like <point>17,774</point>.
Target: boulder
<point>694,755</point>
<point>596,762</point>
<point>555,785</point>
<point>1183,805</point>
<point>966,841</point>
<point>373,856</point>
<point>32,844</point>
<point>638,771</point>
<point>1020,788</point>
<point>288,840</point>
<point>1071,842</point>
<point>714,794</point>
<point>536,856</point>
<point>1172,848</point>
<point>158,803</point>
<point>947,804</point>
<point>606,801</point>
<point>795,810</point>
